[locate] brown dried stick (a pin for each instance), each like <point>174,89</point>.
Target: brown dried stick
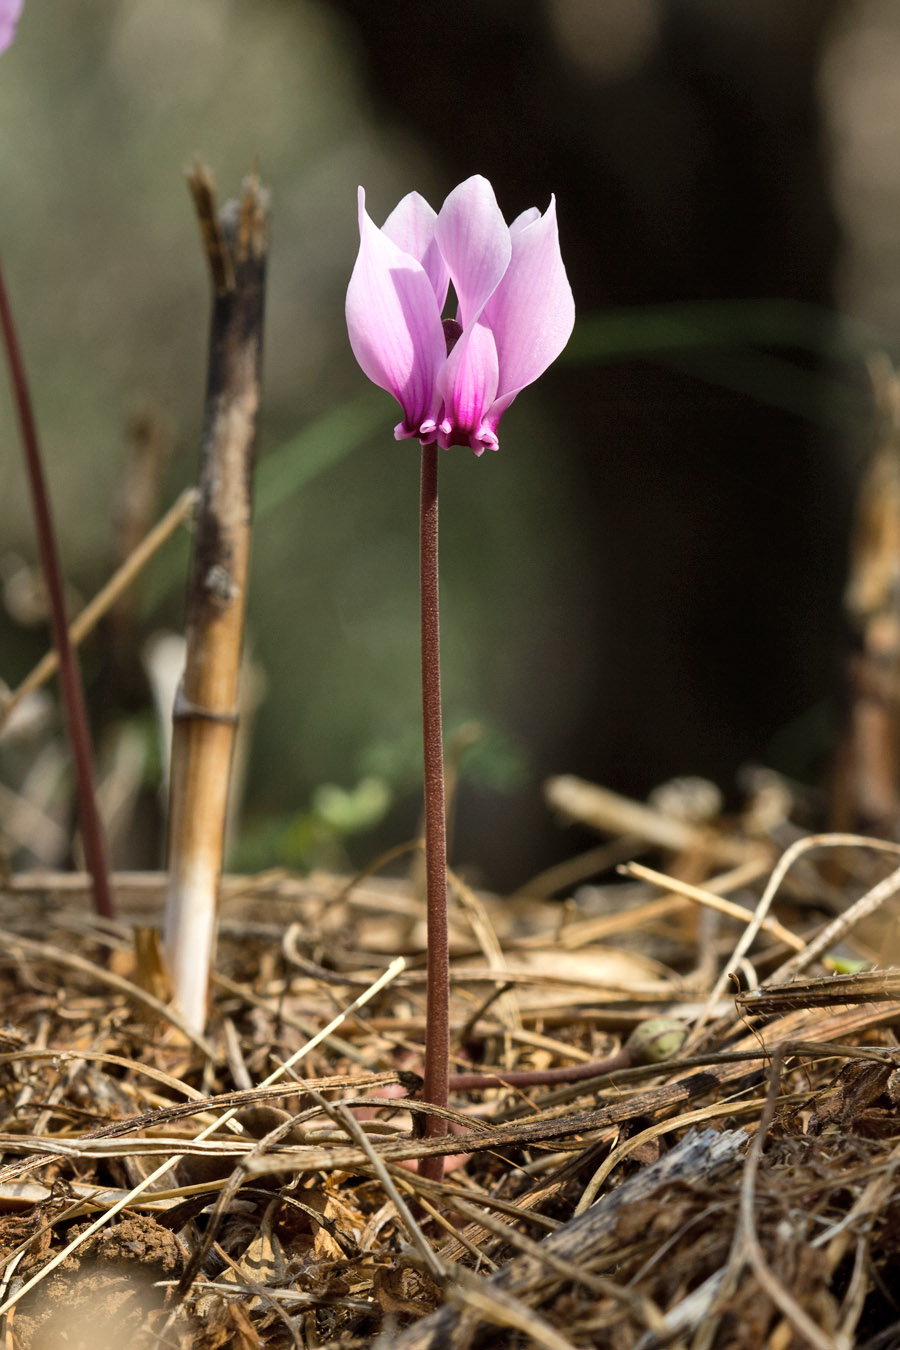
<point>707,896</point>
<point>205,716</point>
<point>601,809</point>
<point>109,595</point>
<point>866,770</point>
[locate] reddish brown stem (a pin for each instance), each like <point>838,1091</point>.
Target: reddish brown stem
<point>70,676</point>
<point>524,1078</point>
<point>437,1003</point>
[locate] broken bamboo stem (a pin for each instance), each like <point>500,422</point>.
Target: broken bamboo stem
<point>205,716</point>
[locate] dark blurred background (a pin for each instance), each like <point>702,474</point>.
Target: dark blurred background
<point>646,579</point>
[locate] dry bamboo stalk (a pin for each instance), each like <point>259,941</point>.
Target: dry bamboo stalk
<point>205,716</point>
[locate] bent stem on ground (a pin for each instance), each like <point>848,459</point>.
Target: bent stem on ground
<point>437,1005</point>
<point>92,833</point>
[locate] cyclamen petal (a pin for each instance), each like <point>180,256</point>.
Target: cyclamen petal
<point>525,218</point>
<point>411,226</point>
<point>474,239</point>
<point>531,313</point>
<point>394,325</point>
<point>10,11</point>
<point>468,386</point>
<point>515,310</point>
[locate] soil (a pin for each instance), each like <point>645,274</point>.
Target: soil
<point>103,1294</point>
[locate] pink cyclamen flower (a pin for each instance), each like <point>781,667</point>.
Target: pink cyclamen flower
<point>9,17</point>
<point>515,310</point>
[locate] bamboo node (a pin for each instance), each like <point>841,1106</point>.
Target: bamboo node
<point>185,711</point>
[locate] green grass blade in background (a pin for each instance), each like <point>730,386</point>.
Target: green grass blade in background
<point>816,397</point>
<point>282,473</point>
<point>645,330</point>
<point>729,344</point>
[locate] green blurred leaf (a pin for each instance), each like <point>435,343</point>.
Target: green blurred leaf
<point>845,965</point>
<point>360,808</point>
<point>496,760</point>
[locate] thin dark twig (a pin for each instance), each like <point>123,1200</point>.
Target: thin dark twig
<point>93,836</point>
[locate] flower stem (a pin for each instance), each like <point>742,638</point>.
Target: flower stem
<point>437,1007</point>
<point>92,832</point>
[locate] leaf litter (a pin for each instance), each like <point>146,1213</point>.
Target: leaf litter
<point>725,1178</point>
